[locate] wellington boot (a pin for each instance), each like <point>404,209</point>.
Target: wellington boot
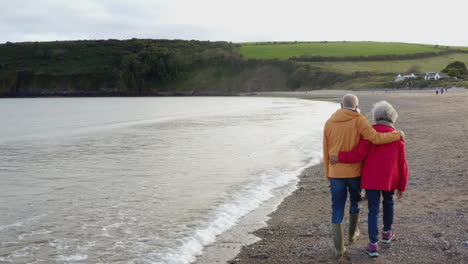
<point>338,238</point>
<point>353,233</point>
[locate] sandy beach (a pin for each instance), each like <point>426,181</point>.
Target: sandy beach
<point>430,221</point>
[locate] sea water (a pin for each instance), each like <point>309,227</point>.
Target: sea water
<point>143,180</point>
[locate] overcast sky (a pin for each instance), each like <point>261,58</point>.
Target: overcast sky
<point>414,21</point>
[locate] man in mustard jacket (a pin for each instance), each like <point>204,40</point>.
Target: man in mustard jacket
<point>343,132</point>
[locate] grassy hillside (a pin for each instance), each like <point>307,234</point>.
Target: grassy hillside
<point>367,64</point>
<point>393,66</point>
<point>332,49</point>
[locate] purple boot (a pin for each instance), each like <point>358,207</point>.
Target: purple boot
<point>372,250</point>
<point>387,236</point>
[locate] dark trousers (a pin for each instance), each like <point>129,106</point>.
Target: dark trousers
<point>339,188</point>
<point>373,202</point>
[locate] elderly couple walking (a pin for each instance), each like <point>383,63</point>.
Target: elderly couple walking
<point>360,156</point>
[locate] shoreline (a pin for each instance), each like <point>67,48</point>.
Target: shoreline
<point>299,94</point>
<point>229,243</point>
<point>430,221</point>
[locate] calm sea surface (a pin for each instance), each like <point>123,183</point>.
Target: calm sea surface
<point>143,180</point>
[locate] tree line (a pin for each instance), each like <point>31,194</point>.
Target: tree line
<point>311,58</point>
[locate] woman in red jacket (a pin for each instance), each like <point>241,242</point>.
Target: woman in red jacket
<point>384,171</point>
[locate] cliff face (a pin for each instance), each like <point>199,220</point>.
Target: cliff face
<point>42,84</point>
<point>218,81</point>
<point>204,82</point>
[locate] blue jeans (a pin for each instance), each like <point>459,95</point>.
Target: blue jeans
<point>373,202</point>
<point>339,188</point>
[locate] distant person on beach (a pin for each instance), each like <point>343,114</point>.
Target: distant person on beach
<point>343,132</point>
<point>441,90</point>
<point>384,171</point>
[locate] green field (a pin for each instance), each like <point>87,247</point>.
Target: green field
<point>432,64</point>
<point>332,49</point>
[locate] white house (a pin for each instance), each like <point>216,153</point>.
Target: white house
<point>434,76</point>
<point>431,76</point>
<point>412,75</point>
<point>400,77</point>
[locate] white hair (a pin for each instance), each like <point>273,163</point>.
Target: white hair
<point>350,100</point>
<point>384,111</point>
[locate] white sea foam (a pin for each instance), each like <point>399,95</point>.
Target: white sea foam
<point>34,233</point>
<point>229,214</point>
<point>105,229</point>
<point>71,258</point>
<point>21,223</point>
<point>6,227</point>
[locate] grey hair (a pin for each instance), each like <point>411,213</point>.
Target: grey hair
<point>384,111</point>
<point>350,100</point>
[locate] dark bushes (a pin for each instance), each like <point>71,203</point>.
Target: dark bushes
<point>374,57</point>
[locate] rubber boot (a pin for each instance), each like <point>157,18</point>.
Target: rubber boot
<point>353,233</point>
<point>338,238</point>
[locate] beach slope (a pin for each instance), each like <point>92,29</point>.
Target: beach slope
<point>430,221</point>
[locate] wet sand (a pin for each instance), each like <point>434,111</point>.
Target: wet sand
<point>430,221</point>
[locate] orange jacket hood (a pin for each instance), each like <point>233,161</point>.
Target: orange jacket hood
<point>343,132</point>
<point>343,115</point>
